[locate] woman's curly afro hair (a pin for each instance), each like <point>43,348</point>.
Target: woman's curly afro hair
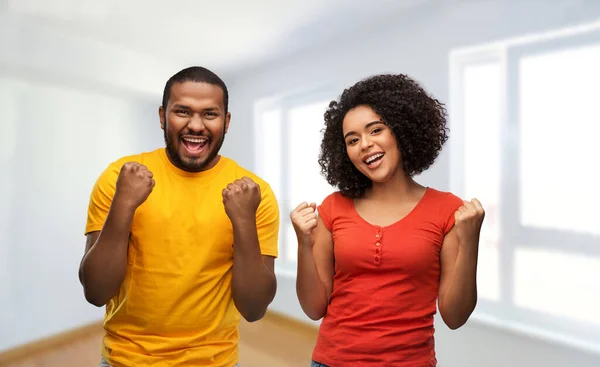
<point>417,120</point>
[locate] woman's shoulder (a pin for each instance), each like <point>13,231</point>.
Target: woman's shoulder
<point>443,200</point>
<point>336,195</point>
<point>336,199</point>
<point>335,205</point>
<point>441,195</point>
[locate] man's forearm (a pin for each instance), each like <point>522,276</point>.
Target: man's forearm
<point>104,266</point>
<point>253,284</point>
<point>461,298</point>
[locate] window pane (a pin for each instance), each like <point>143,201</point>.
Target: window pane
<point>557,283</point>
<point>559,130</point>
<point>482,87</point>
<point>267,129</point>
<point>291,243</point>
<point>268,148</point>
<point>304,179</point>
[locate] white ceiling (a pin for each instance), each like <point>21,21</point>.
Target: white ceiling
<point>230,35</point>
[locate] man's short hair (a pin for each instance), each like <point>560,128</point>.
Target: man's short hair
<point>197,74</point>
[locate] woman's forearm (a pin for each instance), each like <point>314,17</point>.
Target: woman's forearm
<point>461,297</point>
<point>310,289</point>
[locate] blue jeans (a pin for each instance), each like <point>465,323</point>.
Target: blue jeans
<point>317,364</point>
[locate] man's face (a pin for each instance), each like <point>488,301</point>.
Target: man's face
<point>194,125</point>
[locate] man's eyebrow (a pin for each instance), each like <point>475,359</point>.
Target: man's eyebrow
<point>177,105</point>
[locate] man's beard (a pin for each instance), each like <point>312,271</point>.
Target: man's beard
<point>194,165</point>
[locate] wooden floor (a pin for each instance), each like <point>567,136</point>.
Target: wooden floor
<point>275,341</point>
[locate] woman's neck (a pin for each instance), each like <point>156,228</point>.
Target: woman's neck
<point>397,188</point>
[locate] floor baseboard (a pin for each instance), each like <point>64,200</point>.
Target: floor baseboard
<point>59,340</point>
<point>293,323</point>
<point>39,346</point>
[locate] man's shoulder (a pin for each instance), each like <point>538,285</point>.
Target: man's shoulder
<point>142,158</point>
<point>111,171</point>
<point>241,171</point>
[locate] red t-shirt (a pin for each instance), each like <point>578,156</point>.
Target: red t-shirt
<point>385,285</point>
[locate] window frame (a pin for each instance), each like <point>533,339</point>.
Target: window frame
<point>459,61</point>
<point>505,313</point>
<point>285,103</point>
<point>526,236</point>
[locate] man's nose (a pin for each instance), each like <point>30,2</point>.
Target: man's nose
<point>196,123</point>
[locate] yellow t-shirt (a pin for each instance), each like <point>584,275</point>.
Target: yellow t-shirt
<point>175,306</point>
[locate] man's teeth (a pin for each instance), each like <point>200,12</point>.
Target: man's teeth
<point>195,140</point>
<point>374,158</point>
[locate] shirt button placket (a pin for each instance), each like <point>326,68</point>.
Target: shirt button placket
<point>377,258</point>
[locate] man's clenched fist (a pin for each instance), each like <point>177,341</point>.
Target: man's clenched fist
<point>134,184</point>
<point>241,199</point>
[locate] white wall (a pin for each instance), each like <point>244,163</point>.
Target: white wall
<point>418,43</point>
<point>69,107</point>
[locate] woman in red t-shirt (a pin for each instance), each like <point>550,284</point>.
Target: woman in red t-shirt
<point>383,249</point>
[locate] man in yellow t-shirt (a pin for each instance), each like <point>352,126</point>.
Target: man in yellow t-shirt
<point>180,240</point>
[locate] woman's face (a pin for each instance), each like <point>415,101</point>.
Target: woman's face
<point>371,144</point>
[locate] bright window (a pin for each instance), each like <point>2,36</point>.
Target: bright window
<point>288,140</point>
<point>524,128</point>
<point>571,292</point>
<point>482,163</point>
<point>559,133</point>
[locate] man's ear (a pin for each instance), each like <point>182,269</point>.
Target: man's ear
<point>161,116</point>
<point>227,120</point>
